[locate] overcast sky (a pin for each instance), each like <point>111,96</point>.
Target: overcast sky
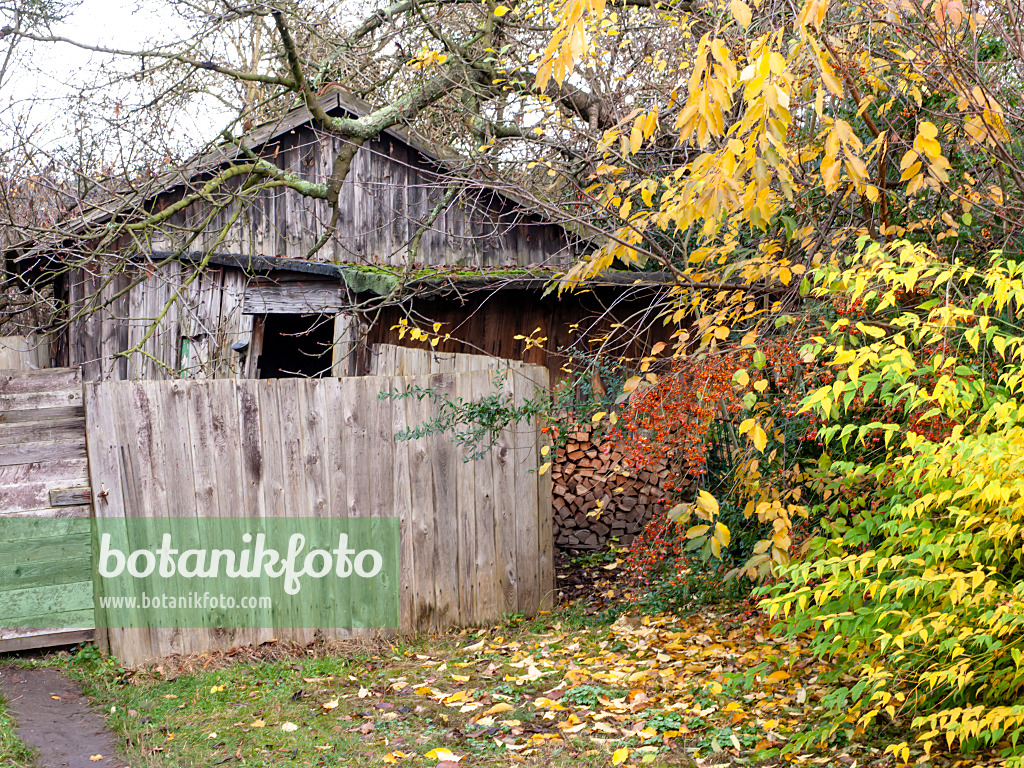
<point>45,76</point>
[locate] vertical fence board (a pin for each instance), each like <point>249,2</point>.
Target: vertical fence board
<point>505,501</point>
<point>402,500</point>
<point>465,512</point>
<point>525,512</point>
<point>336,460</point>
<point>545,522</point>
<point>381,441</point>
<point>446,549</point>
<point>421,512</point>
<point>489,595</point>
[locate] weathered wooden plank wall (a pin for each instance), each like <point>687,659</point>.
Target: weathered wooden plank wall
<point>387,197</point>
<point>161,327</point>
<point>24,353</point>
<point>44,577</point>
<point>476,536</point>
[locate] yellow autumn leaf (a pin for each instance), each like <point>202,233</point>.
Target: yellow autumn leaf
<point>759,437</point>
<point>741,12</point>
<point>501,10</point>
<point>707,502</point>
<point>329,705</point>
<point>443,754</point>
<point>716,547</point>
<point>636,138</point>
<point>619,755</point>
<point>722,533</point>
<point>741,377</point>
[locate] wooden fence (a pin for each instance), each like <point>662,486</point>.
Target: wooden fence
<point>45,577</point>
<point>476,536</point>
<point>393,360</point>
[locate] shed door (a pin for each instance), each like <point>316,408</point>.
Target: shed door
<point>46,595</point>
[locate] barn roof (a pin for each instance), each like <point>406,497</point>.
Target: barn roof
<point>335,100</point>
<point>436,280</point>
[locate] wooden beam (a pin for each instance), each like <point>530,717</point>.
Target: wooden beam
<point>48,639</point>
<point>70,497</point>
<point>298,298</point>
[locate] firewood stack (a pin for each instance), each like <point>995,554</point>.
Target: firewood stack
<point>596,498</point>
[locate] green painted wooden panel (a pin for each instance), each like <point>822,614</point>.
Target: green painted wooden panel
<point>70,547</point>
<point>17,604</point>
<point>45,573</point>
<point>42,527</point>
<point>84,619</point>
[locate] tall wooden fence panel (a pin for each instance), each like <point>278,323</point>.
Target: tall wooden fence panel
<point>45,570</point>
<point>476,536</point>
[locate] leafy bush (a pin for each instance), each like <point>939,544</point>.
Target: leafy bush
<point>920,592</point>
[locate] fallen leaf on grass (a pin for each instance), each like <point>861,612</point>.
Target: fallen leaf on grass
<point>443,755</point>
<point>94,758</point>
<point>329,705</point>
<point>288,727</point>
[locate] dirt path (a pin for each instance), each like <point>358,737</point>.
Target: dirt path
<point>53,716</point>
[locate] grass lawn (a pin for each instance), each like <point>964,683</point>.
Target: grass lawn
<point>563,690</point>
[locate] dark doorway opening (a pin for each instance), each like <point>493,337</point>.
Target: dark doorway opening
<point>296,346</point>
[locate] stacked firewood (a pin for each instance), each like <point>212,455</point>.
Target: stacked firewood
<point>596,498</point>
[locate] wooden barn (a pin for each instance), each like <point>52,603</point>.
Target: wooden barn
<point>246,287</point>
<point>240,290</point>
